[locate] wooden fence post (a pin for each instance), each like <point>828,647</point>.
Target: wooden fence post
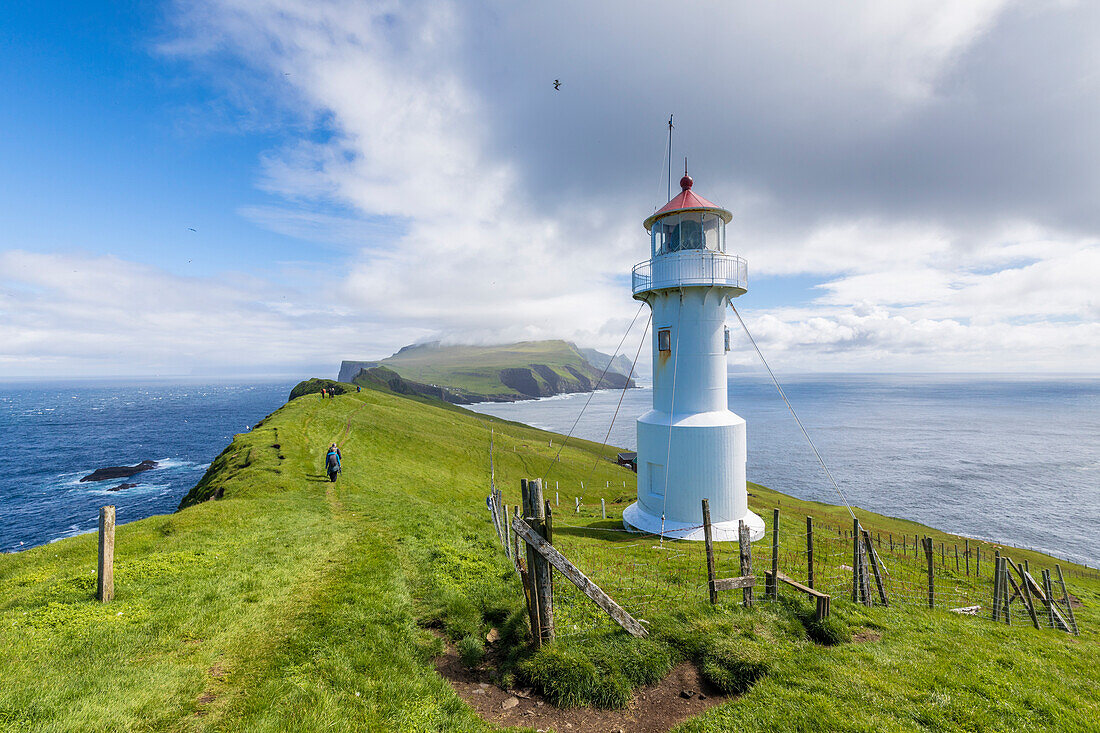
<point>1027,595</point>
<point>507,532</point>
<point>810,552</point>
<point>872,557</point>
<point>1048,589</point>
<point>603,508</point>
<point>577,500</point>
<point>575,576</point>
<point>1017,593</point>
<point>745,553</point>
<point>855,561</point>
<point>105,586</point>
<point>966,554</point>
<point>527,575</point>
<point>518,548</point>
<point>931,567</point>
<point>996,560</point>
<point>772,589</point>
<point>997,581</point>
<point>1065,599</point>
<point>710,553</point>
<point>978,562</point>
<point>956,558</point>
<point>538,567</point>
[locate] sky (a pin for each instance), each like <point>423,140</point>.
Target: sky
<point>270,186</point>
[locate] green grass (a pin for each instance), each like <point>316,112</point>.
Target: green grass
<point>297,604</point>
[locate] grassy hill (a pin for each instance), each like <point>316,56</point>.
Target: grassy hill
<point>508,372</point>
<point>297,604</point>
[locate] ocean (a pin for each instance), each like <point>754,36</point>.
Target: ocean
<point>52,434</point>
<point>1010,459</point>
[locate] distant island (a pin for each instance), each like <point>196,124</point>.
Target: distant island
<point>463,374</point>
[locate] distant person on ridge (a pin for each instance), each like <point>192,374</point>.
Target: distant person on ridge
<point>332,462</point>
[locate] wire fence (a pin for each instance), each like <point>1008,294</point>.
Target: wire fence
<point>648,575</point>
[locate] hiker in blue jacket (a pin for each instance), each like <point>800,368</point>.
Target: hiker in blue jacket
<point>332,462</point>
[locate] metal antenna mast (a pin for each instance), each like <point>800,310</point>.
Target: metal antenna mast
<point>669,195</point>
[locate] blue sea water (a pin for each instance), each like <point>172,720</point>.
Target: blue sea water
<point>1009,459</point>
<point>1004,458</point>
<point>53,434</point>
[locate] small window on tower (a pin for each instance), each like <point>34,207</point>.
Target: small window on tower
<point>727,338</point>
<point>664,339</point>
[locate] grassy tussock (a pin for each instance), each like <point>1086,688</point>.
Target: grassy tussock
<point>598,672</point>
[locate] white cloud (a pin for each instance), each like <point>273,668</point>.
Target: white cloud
<point>441,115</point>
<point>870,145</point>
<point>89,315</point>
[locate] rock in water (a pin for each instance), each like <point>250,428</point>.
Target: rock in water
<point>110,472</point>
<point>120,487</point>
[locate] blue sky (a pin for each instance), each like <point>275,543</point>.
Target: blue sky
<point>913,187</point>
<point>112,147</point>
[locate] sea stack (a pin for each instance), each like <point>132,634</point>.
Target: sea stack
<point>690,445</point>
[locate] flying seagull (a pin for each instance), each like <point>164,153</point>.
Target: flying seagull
<point>193,229</point>
<point>557,85</point>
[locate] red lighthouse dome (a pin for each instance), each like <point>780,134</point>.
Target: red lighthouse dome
<point>687,200</point>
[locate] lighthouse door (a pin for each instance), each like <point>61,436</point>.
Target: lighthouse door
<point>656,479</point>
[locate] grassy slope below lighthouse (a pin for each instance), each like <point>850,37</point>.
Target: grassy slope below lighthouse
<point>296,604</point>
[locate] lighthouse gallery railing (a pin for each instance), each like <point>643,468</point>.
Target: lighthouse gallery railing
<point>698,267</point>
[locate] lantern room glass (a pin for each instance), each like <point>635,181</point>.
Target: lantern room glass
<point>690,230</point>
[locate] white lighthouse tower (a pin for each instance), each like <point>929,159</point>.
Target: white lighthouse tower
<point>690,446</point>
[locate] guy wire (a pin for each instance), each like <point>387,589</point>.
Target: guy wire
<point>633,366</point>
<point>553,462</point>
<point>791,408</point>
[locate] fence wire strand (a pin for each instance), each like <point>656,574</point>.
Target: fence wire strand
<point>647,577</point>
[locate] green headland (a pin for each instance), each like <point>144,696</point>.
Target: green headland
<point>466,374</point>
<point>292,603</point>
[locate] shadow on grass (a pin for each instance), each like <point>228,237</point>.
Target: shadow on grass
<point>609,530</point>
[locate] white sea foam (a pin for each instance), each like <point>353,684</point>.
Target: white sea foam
<point>72,531</point>
<point>163,463</point>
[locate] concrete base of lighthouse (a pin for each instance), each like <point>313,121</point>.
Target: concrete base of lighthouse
<point>705,453</point>
<point>636,519</point>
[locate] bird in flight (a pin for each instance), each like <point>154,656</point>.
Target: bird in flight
<point>557,85</point>
<point>193,229</point>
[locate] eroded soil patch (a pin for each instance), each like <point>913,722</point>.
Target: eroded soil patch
<point>653,709</point>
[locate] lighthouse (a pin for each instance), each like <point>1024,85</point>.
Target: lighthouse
<point>690,445</point>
